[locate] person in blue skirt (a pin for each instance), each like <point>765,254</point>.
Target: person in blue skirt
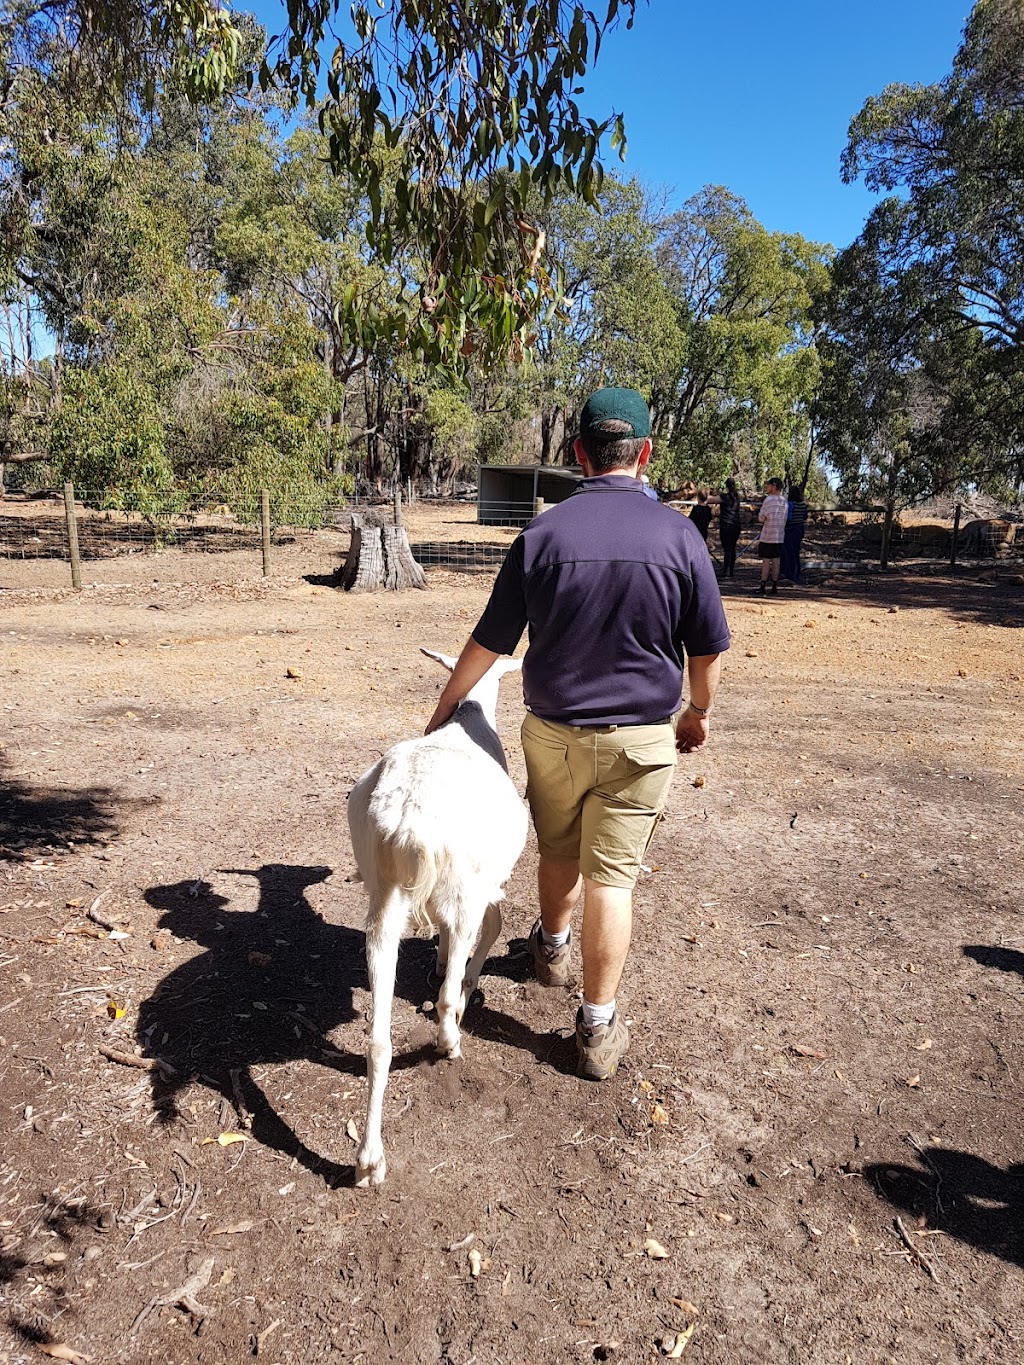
<point>796,525</point>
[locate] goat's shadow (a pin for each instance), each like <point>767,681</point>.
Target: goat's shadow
<point>272,983</point>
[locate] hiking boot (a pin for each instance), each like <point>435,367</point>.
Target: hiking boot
<point>599,1050</point>
<point>550,965</point>
<point>775,589</point>
<point>762,591</point>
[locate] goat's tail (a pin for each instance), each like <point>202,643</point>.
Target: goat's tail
<point>411,868</point>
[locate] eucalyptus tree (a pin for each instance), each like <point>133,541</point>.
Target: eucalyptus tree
<point>616,324</point>
<point>746,366</point>
<point>954,230</point>
<point>897,402</point>
<point>466,112</point>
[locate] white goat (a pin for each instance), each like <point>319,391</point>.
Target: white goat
<point>437,827</point>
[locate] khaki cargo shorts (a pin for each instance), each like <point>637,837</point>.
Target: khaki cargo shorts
<point>597,794</point>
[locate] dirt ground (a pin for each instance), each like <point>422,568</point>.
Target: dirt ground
<point>812,1152</point>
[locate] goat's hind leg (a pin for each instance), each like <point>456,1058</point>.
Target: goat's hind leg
<point>451,1001</point>
<point>382,939</point>
<point>489,931</point>
<point>440,968</point>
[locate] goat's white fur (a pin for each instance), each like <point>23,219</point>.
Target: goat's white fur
<point>437,827</point>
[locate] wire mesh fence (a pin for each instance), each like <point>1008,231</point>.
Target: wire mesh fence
<point>48,542</point>
<point>182,537</point>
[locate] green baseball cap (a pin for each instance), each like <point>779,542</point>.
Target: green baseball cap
<point>615,405</point>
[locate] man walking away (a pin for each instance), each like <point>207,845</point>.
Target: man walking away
<point>772,517</point>
<point>614,588</point>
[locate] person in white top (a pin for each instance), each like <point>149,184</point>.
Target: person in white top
<point>772,517</point>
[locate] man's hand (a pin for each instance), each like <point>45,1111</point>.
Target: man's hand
<point>443,712</point>
<point>473,663</point>
<point>691,731</point>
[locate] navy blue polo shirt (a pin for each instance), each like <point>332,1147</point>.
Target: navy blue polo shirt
<point>615,590</point>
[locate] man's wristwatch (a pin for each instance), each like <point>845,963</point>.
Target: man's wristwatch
<point>701,711</point>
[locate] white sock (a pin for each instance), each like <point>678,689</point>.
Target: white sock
<point>555,940</point>
<point>597,1016</point>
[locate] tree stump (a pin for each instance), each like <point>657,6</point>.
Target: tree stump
<point>380,559</point>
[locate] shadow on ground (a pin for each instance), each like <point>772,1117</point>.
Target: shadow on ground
<point>270,987</point>
<point>1001,959</point>
<point>963,596</point>
<point>33,819</point>
<point>63,1221</point>
<point>962,1195</point>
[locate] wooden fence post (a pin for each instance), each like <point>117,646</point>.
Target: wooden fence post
<point>265,525</point>
<point>398,504</point>
<point>956,533</point>
<point>76,558</point>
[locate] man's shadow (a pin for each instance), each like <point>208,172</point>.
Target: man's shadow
<point>964,1195</point>
<point>271,985</point>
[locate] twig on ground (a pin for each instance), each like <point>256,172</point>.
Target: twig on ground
<point>266,1333</point>
<point>687,1159</point>
<point>923,1154</point>
<point>244,1116</point>
<point>915,1251</point>
<point>140,1063</point>
<point>184,1296</point>
<point>93,912</point>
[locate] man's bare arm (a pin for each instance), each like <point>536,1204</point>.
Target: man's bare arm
<point>703,673</point>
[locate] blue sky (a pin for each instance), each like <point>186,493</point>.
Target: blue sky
<point>757,95</point>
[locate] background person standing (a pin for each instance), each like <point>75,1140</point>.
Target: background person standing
<point>700,515</point>
<point>728,525</point>
<point>796,525</point>
<point>772,516</point>
<point>615,589</point>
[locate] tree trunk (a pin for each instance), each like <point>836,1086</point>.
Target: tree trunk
<point>380,559</point>
<point>548,419</point>
<point>890,510</point>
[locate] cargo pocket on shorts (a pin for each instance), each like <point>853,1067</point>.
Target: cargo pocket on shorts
<point>652,765</point>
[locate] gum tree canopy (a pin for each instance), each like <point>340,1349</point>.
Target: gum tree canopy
<point>949,246</point>
<point>462,110</point>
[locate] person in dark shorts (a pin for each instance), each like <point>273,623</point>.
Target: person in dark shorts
<point>772,516</point>
<point>619,595</point>
<point>700,515</point>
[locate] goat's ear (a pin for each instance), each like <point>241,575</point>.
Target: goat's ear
<point>445,660</point>
<point>509,665</point>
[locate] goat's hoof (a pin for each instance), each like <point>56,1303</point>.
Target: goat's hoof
<point>371,1175</point>
<point>370,1171</point>
<point>454,1052</point>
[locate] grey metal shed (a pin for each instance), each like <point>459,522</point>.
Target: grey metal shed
<point>508,494</point>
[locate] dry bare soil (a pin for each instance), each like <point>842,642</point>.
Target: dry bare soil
<point>825,988</point>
